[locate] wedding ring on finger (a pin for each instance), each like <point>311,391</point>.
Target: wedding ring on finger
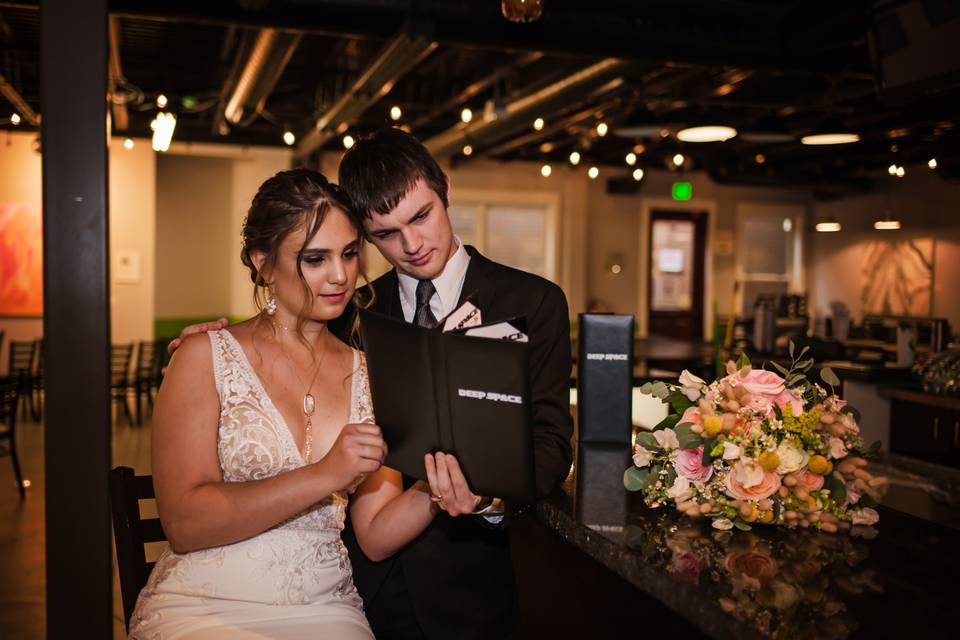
<point>436,499</point>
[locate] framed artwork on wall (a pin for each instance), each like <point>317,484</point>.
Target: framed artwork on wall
<point>21,260</point>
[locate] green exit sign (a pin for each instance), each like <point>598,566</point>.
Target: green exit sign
<point>682,191</point>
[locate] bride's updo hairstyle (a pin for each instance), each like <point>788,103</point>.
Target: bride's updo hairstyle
<point>284,203</point>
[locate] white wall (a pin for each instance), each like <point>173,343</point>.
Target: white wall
<point>927,206</point>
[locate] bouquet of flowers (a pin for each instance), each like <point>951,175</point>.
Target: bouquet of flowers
<point>758,447</point>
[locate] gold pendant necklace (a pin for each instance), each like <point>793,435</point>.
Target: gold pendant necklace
<point>309,404</point>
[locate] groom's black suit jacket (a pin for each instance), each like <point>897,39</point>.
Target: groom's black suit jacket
<point>458,574</point>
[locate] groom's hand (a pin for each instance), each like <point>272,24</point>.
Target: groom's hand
<point>201,327</point>
<point>449,486</point>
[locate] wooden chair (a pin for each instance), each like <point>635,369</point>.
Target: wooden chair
<point>120,382</point>
<point>9,389</point>
<point>37,387</point>
<point>20,367</point>
<point>131,532</point>
<point>145,376</point>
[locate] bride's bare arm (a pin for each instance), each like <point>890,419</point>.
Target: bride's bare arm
<point>197,508</point>
<point>386,518</point>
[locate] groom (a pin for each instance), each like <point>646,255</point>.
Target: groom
<point>455,580</point>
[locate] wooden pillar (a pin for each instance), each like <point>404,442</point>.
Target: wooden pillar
<point>76,318</point>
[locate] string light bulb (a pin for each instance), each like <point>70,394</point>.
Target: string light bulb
<point>348,141</point>
<point>575,158</point>
<point>289,138</point>
<point>593,172</point>
<point>128,144</point>
<point>546,170</point>
<point>538,124</point>
<point>15,119</point>
<point>602,129</point>
<point>395,112</point>
<point>467,150</point>
<point>631,158</point>
<point>466,115</point>
<point>638,174</point>
<point>678,160</point>
<point>932,163</point>
<point>162,101</point>
<point>163,125</point>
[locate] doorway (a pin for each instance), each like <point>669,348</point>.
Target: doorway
<point>676,275</point>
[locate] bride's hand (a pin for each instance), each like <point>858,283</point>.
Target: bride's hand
<point>358,450</point>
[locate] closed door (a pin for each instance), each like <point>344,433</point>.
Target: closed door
<point>677,259</point>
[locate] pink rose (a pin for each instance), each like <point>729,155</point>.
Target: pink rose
<point>692,415</point>
<point>808,480</point>
<point>686,567</point>
<point>749,481</point>
<point>689,464</point>
<point>768,385</point>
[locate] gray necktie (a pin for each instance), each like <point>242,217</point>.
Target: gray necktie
<point>424,316</point>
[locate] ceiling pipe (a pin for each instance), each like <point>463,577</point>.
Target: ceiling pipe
<point>268,57</point>
<point>24,110</point>
<point>400,55</point>
<point>121,119</point>
<point>519,114</point>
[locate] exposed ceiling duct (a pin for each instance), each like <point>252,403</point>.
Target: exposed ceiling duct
<point>265,63</point>
<point>19,104</point>
<point>400,55</point>
<point>121,119</point>
<point>519,114</point>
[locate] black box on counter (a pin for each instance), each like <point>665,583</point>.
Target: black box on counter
<point>605,378</point>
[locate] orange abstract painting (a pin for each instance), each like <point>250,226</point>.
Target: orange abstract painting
<point>21,260</point>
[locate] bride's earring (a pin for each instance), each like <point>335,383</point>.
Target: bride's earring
<point>271,302</point>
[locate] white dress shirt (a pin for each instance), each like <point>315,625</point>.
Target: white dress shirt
<point>448,286</point>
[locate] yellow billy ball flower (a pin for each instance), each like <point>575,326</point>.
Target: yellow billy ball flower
<point>820,465</point>
<point>769,460</point>
<point>712,425</point>
<point>766,517</point>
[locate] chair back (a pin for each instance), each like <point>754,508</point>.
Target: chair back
<point>131,532</point>
<point>8,406</point>
<point>146,360</point>
<point>38,371</point>
<point>120,357</point>
<point>22,354</point>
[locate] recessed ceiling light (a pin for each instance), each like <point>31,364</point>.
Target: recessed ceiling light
<point>289,138</point>
<point>162,101</point>
<point>575,158</point>
<point>828,226</point>
<point>593,172</point>
<point>886,225</point>
<point>467,150</point>
<point>710,133</point>
<point>932,163</point>
<point>830,138</point>
<point>602,129</point>
<point>15,119</point>
<point>395,113</point>
<point>631,158</point>
<point>892,169</point>
<point>466,115</point>
<point>348,141</point>
<point>638,174</point>
<point>546,170</point>
<point>538,124</point>
<point>901,172</point>
<point>678,160</point>
<point>128,144</point>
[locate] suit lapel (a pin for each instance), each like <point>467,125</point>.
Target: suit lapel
<point>477,283</point>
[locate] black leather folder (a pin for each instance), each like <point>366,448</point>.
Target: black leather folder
<point>605,378</point>
<point>462,395</point>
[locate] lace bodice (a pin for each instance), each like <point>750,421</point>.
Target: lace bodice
<point>301,560</point>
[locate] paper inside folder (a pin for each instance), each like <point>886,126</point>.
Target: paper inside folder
<point>498,331</point>
<point>466,315</point>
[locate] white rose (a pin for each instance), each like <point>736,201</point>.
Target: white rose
<point>837,448</point>
<point>791,458</point>
<point>724,524</point>
<point>681,491</point>
<point>748,473</point>
<point>731,451</point>
<point>667,439</point>
<point>692,385</point>
<point>641,457</point>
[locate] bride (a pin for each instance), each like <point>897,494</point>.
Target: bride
<point>260,432</point>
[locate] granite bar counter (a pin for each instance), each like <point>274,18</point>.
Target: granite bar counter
<point>895,580</point>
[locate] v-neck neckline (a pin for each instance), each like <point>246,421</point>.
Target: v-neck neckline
<point>271,405</point>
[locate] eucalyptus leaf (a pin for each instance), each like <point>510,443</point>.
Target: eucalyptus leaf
<point>837,489</point>
<point>803,351</point>
<point>777,411</point>
<point>828,376</point>
<point>790,348</point>
<point>668,423</point>
<point>803,365</point>
<point>707,448</point>
<point>686,437</point>
<point>635,479</point>
<point>680,402</point>
<point>743,526</point>
<point>646,388</point>
<point>647,441</point>
<point>780,368</point>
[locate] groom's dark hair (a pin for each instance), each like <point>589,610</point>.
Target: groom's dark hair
<point>380,169</point>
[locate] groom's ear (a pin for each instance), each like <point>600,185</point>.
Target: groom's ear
<point>447,179</point>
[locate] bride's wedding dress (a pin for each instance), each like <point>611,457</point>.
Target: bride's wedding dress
<point>292,581</point>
